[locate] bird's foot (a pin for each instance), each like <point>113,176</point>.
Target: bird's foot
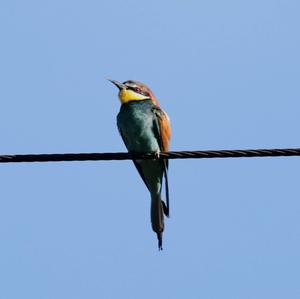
<point>157,154</point>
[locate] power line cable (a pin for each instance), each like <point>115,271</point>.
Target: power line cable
<point>248,153</point>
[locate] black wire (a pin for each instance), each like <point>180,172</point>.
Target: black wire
<point>147,156</point>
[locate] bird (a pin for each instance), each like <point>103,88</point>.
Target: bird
<point>145,127</point>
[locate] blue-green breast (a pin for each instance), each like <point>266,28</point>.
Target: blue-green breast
<point>135,122</point>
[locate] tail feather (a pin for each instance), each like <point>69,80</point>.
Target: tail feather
<point>157,218</point>
<point>165,208</point>
<point>167,205</point>
<point>159,238</point>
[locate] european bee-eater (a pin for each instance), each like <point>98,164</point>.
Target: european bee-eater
<point>145,127</point>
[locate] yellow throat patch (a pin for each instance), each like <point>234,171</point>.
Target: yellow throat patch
<point>128,95</point>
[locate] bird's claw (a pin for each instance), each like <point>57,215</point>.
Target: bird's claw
<point>157,154</point>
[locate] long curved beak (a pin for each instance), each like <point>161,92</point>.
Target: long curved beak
<point>118,84</point>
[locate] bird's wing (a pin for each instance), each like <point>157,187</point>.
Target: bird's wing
<point>162,132</point>
<point>138,167</point>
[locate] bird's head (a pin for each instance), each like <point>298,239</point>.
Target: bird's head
<point>134,91</point>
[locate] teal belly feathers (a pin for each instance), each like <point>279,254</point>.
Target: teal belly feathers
<point>135,122</point>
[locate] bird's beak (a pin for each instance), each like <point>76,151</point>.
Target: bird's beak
<point>118,84</point>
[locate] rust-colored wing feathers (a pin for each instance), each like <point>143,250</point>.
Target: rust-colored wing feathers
<point>164,133</point>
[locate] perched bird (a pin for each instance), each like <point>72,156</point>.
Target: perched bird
<point>145,127</point>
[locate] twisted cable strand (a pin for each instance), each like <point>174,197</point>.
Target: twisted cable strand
<point>285,152</point>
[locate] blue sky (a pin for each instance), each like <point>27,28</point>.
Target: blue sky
<point>227,73</point>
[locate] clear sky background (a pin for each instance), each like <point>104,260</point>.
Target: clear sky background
<point>227,73</point>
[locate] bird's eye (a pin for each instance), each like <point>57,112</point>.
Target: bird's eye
<point>137,89</point>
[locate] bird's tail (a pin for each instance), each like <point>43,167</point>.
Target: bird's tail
<point>157,217</point>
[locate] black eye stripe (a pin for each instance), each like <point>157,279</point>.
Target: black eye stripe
<point>136,89</point>
<point>131,88</point>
